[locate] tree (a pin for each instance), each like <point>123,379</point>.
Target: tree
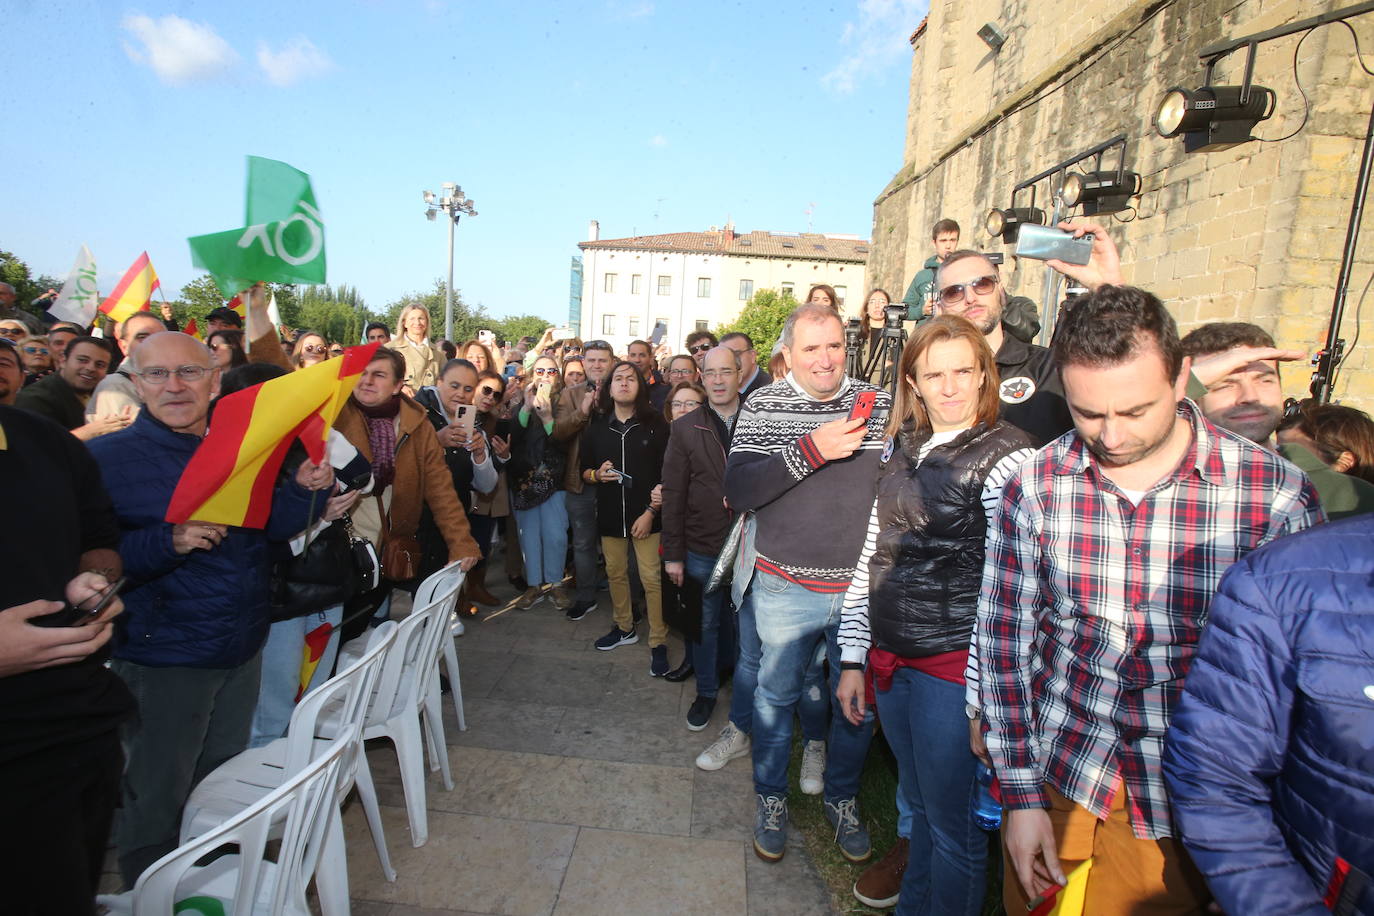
<point>27,288</point>
<point>339,313</point>
<point>517,326</point>
<point>201,296</point>
<point>762,318</point>
<point>467,321</point>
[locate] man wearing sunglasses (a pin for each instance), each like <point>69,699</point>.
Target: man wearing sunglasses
<point>699,343</point>
<point>969,285</point>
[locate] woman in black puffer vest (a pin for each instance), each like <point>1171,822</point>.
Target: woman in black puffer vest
<point>911,609</point>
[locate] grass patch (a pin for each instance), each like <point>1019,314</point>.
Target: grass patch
<point>878,810</point>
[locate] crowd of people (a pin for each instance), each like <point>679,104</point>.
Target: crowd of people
<point>1083,571</point>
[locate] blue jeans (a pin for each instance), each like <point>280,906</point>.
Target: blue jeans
<point>281,671</point>
<point>482,528</point>
<point>923,718</point>
<point>717,629</point>
<point>544,539</point>
<point>792,623</point>
<point>814,707</point>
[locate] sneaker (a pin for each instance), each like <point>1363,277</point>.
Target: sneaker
<point>561,597</point>
<point>813,768</point>
<point>700,713</point>
<point>881,883</point>
<point>580,609</point>
<point>850,835</point>
<point>770,828</point>
<point>617,637</point>
<point>731,743</point>
<point>531,596</point>
<point>658,664</point>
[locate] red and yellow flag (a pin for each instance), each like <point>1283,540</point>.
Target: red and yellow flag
<point>193,330</point>
<point>134,292</point>
<point>230,478</point>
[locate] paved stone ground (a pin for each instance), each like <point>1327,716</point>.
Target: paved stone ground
<point>574,792</point>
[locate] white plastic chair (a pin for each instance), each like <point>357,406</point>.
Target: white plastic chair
<point>243,780</point>
<point>408,691</point>
<point>456,628</point>
<point>242,880</point>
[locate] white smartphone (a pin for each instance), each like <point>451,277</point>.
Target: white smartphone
<point>1045,242</point>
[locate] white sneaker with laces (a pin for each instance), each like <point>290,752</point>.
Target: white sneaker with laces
<point>813,768</point>
<point>730,744</point>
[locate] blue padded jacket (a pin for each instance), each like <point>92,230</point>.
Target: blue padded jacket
<point>1270,756</point>
<point>209,608</point>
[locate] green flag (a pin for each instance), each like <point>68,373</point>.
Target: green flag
<point>284,238</point>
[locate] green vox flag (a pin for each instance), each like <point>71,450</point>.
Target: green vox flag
<point>283,241</point>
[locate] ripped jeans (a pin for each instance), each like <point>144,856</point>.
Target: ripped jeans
<point>792,622</point>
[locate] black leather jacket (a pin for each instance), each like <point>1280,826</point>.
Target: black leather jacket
<point>928,566</point>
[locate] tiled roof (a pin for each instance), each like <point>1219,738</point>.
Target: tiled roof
<point>804,246</point>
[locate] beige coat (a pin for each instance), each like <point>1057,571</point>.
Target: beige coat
<point>424,361</point>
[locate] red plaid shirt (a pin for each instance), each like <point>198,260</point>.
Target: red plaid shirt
<point>1092,607</point>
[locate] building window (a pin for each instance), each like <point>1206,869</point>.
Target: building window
<point>633,329</point>
<point>840,294</point>
<point>635,283</point>
<point>703,287</point>
<point>746,290</point>
<point>610,283</point>
<point>787,289</point>
<point>703,325</point>
<point>608,325</point>
<point>665,285</point>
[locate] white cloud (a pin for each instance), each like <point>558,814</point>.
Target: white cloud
<point>876,42</point>
<point>658,140</point>
<point>178,50</point>
<point>630,9</point>
<point>298,59</point>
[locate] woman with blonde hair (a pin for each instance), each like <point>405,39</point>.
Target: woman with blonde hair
<point>310,348</point>
<point>423,359</point>
<point>910,610</point>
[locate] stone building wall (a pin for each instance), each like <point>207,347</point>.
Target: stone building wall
<point>1253,233</point>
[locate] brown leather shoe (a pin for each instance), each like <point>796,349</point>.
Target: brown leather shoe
<point>476,583</point>
<point>881,883</point>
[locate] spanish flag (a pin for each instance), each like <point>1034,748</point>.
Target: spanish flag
<point>193,330</point>
<point>134,292</point>
<point>1068,900</point>
<point>230,478</point>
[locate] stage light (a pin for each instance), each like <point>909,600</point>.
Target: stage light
<point>1100,192</point>
<point>1006,224</point>
<point>1212,117</point>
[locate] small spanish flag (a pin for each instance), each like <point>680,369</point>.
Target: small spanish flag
<point>1068,900</point>
<point>193,330</point>
<point>134,292</point>
<point>230,478</point>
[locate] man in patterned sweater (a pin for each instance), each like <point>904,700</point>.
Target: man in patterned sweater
<point>809,474</point>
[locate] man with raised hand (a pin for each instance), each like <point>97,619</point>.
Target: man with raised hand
<point>809,473</point>
<point>1101,563</point>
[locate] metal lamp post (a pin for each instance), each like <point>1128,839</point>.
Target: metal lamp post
<point>455,204</point>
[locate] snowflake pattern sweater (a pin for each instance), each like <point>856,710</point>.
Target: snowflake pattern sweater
<point>811,514</point>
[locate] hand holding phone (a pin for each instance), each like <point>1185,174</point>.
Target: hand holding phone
<point>1044,243</point>
<point>83,611</point>
<point>864,402</point>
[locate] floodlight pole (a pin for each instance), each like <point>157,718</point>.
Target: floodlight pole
<point>454,204</point>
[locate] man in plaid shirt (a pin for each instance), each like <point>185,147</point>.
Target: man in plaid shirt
<point>1101,562</point>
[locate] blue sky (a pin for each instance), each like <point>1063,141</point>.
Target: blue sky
<point>127,128</point>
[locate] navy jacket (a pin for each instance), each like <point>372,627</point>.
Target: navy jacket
<point>1270,755</point>
<point>208,608</point>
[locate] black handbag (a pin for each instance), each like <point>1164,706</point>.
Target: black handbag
<point>366,568</point>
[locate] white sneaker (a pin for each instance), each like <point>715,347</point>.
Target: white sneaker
<point>813,768</point>
<point>730,744</point>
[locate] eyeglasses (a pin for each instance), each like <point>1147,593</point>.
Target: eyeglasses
<point>685,405</point>
<point>547,370</point>
<point>572,349</point>
<point>12,332</point>
<point>311,348</point>
<point>954,294</point>
<point>32,351</point>
<point>718,373</point>
<point>157,375</point>
<point>681,371</point>
<point>700,348</point>
<point>488,391</point>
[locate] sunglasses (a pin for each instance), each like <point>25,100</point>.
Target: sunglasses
<point>954,294</point>
<point>547,370</point>
<point>700,348</point>
<point>35,350</point>
<point>310,348</point>
<point>12,332</point>
<point>488,391</point>
<point>572,349</point>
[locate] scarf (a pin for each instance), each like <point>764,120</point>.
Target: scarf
<point>381,435</point>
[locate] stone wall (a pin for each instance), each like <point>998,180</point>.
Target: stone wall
<point>1253,233</point>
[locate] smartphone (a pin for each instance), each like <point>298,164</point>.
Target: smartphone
<point>625,479</point>
<point>543,390</point>
<point>487,337</point>
<point>1045,242</point>
<point>863,405</point>
<point>75,615</point>
<point>563,333</point>
<point>660,331</point>
<point>465,418</point>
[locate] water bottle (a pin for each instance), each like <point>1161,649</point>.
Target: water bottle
<point>986,806</point>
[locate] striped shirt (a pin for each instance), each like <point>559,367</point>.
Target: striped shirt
<point>1092,606</point>
<point>809,512</point>
<point>854,637</point>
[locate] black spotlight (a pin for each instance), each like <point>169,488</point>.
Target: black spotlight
<point>1100,192</point>
<point>1006,224</point>
<point>1213,117</point>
